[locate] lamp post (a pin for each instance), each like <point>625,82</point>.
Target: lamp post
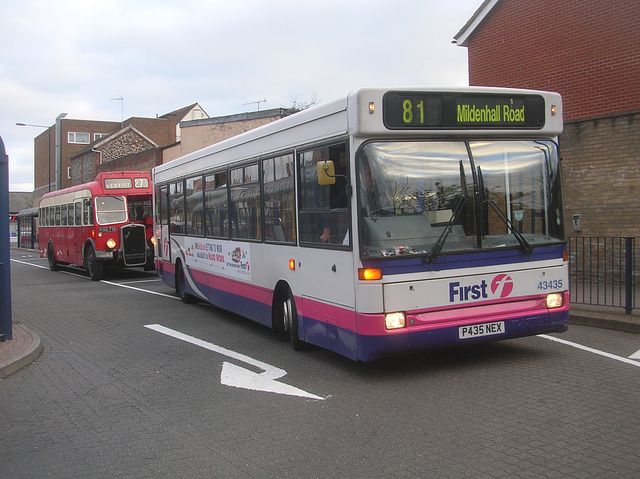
<point>48,146</point>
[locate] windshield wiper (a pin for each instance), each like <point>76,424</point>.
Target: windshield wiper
<point>522,241</point>
<point>524,244</point>
<point>437,247</point>
<point>464,198</point>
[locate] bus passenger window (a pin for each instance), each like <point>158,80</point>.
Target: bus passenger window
<point>63,215</point>
<point>78,210</point>
<point>279,199</point>
<point>245,203</point>
<point>194,197</point>
<point>176,207</point>
<point>71,215</point>
<point>216,205</point>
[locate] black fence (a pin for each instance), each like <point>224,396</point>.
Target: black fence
<point>603,271</point>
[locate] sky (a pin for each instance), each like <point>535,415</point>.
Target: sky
<point>79,56</point>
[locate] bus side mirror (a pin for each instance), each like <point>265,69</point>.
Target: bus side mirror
<point>326,173</point>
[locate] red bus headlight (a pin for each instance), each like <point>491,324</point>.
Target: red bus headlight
<point>111,243</point>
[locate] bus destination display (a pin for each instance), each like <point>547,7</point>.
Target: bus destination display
<point>415,110</point>
<point>125,183</point>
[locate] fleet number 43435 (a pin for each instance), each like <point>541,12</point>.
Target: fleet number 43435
<point>551,284</point>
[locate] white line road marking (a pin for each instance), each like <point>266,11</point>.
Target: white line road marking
<point>139,289</point>
<point>121,285</point>
<point>635,355</point>
<point>156,280</point>
<point>29,264</point>
<point>591,350</point>
<point>239,377</point>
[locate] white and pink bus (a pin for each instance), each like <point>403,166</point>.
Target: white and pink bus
<point>390,221</point>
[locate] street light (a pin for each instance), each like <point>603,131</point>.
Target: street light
<point>48,146</point>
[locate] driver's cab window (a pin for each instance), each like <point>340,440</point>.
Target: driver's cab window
<point>324,209</point>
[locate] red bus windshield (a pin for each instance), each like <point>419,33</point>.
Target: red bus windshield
<point>111,210</point>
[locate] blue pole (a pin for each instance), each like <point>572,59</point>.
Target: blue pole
<point>6,331</point>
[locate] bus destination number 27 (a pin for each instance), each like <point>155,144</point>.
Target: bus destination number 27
<point>125,183</point>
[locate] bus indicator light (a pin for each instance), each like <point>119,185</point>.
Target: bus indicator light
<point>369,274</point>
<point>292,264</point>
<point>372,108</point>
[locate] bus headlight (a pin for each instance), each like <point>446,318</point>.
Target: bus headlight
<point>554,300</point>
<point>153,240</point>
<point>394,321</point>
<point>111,243</point>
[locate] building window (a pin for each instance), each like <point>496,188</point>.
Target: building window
<point>75,137</point>
<point>99,136</point>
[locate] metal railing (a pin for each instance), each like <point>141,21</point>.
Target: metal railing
<point>604,271</point>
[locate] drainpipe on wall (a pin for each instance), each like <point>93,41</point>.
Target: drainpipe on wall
<point>59,150</point>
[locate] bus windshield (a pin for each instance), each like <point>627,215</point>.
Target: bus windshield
<point>434,198</point>
<point>111,210</point>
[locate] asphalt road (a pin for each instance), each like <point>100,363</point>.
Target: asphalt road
<point>134,383</point>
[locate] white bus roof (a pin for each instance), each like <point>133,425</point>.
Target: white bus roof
<point>352,115</point>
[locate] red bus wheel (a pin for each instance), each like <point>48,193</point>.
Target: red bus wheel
<point>95,268</point>
<point>51,257</point>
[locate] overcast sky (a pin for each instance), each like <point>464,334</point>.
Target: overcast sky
<point>76,56</point>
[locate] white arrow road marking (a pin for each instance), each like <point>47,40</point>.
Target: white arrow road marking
<point>239,377</point>
<point>591,350</point>
<point>635,355</point>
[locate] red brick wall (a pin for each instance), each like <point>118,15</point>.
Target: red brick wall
<point>587,50</point>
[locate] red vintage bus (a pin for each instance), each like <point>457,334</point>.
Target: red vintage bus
<point>104,223</point>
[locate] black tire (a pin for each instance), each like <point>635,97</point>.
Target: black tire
<point>94,267</point>
<point>51,257</point>
<point>150,265</point>
<point>181,290</point>
<point>289,321</point>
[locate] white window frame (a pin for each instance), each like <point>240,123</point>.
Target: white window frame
<point>72,137</point>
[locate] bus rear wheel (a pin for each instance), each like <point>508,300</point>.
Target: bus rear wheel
<point>95,268</point>
<point>51,257</point>
<point>181,289</point>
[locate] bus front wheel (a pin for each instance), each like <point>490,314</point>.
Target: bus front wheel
<point>289,321</point>
<point>95,268</point>
<point>51,257</point>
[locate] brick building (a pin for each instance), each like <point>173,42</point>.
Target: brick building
<point>127,149</point>
<point>70,151</point>
<point>588,51</point>
<point>86,148</point>
<point>56,144</point>
<point>198,133</point>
